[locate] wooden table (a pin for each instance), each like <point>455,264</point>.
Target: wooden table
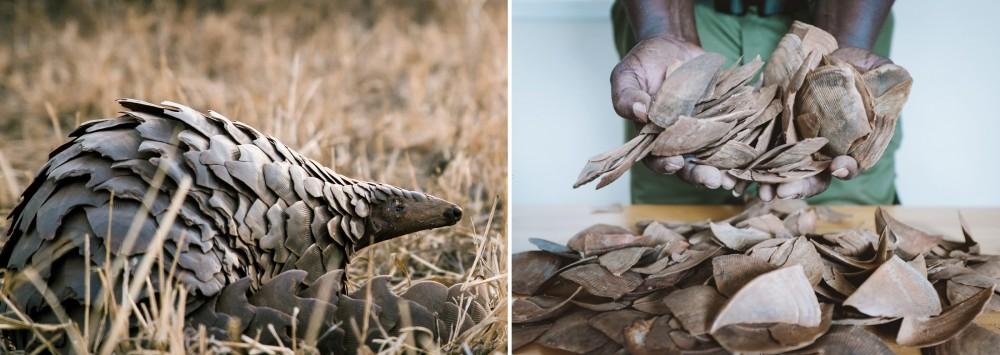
<point>559,223</point>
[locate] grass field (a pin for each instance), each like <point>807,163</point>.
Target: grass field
<point>412,93</point>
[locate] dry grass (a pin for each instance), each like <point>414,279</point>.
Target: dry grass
<point>411,93</point>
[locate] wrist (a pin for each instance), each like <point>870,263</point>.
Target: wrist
<point>669,36</point>
<point>854,23</point>
<point>667,31</point>
<point>853,41</point>
<point>652,31</point>
<point>658,18</point>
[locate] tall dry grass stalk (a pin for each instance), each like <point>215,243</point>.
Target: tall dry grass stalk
<point>412,93</point>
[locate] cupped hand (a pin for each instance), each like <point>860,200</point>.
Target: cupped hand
<point>843,167</point>
<point>637,78</point>
<point>634,83</point>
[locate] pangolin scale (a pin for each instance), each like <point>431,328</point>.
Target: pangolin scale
<point>261,229</point>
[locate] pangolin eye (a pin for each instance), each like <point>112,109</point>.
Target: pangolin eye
<point>400,207</point>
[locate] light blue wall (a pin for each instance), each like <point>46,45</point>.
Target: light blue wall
<point>563,54</point>
<point>561,106</point>
<point>951,150</point>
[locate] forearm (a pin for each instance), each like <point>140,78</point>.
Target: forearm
<point>855,23</point>
<point>651,18</point>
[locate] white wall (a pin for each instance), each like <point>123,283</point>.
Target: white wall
<point>563,54</point>
<point>951,151</point>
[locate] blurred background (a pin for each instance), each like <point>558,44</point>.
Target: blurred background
<point>563,54</point>
<point>412,93</point>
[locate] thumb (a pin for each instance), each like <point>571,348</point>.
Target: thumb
<point>629,99</point>
<point>807,187</point>
<point>844,167</point>
<point>664,165</point>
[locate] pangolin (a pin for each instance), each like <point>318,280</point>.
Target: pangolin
<point>259,232</point>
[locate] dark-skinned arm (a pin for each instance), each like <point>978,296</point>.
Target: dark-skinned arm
<point>855,23</point>
<point>653,18</point>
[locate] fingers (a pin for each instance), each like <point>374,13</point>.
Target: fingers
<point>664,165</point>
<point>844,167</point>
<point>872,61</point>
<point>740,188</point>
<point>862,59</point>
<point>878,62</point>
<point>703,175</point>
<point>807,187</point>
<point>765,192</point>
<point>697,174</point>
<point>728,181</point>
<point>629,99</point>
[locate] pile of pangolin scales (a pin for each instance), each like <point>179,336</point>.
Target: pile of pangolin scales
<point>759,282</point>
<point>808,108</point>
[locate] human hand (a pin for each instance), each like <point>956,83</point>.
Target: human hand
<point>842,167</point>
<point>637,78</point>
<point>634,82</point>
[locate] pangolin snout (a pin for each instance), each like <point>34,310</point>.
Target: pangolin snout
<point>453,214</point>
<point>411,213</point>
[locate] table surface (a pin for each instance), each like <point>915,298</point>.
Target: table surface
<point>559,223</point>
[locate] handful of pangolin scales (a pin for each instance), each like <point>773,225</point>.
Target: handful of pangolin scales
<point>808,108</point>
<point>759,282</point>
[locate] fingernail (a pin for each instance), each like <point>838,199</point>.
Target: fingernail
<point>737,193</point>
<point>639,108</point>
<point>841,173</point>
<point>670,166</point>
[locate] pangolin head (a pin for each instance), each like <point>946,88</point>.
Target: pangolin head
<point>401,214</point>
